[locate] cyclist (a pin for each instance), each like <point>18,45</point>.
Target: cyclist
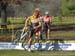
<point>35,24</point>
<point>46,23</point>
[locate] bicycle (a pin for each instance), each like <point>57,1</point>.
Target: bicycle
<point>21,35</point>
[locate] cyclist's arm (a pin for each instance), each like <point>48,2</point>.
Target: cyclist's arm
<point>51,19</point>
<point>38,25</point>
<point>26,23</point>
<point>41,20</point>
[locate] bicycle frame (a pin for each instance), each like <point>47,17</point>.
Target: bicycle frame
<point>23,34</point>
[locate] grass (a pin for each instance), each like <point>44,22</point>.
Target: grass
<point>36,53</point>
<point>63,34</point>
<point>63,20</point>
<point>60,34</point>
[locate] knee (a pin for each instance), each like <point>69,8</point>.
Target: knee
<point>37,35</point>
<point>30,38</point>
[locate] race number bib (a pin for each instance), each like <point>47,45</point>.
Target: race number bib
<point>46,20</point>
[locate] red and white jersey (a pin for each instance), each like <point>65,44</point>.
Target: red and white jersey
<point>46,18</point>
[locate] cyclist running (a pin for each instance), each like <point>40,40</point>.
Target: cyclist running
<point>46,23</point>
<point>35,24</point>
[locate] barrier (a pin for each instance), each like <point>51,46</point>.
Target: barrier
<point>38,46</point>
<point>7,45</point>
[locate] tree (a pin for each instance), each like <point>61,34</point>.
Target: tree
<point>68,7</point>
<point>3,8</point>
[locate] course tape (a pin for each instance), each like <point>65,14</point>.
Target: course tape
<point>38,46</point>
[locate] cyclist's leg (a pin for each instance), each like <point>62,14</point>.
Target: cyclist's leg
<point>48,34</point>
<point>30,40</point>
<point>40,34</point>
<point>37,42</point>
<point>48,31</point>
<point>37,35</point>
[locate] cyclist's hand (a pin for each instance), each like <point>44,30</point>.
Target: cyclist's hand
<point>35,27</point>
<point>26,28</point>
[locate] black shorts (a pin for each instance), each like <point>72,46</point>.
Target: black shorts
<point>46,27</point>
<point>34,31</point>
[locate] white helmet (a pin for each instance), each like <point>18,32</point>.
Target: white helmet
<point>46,12</point>
<point>37,9</point>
